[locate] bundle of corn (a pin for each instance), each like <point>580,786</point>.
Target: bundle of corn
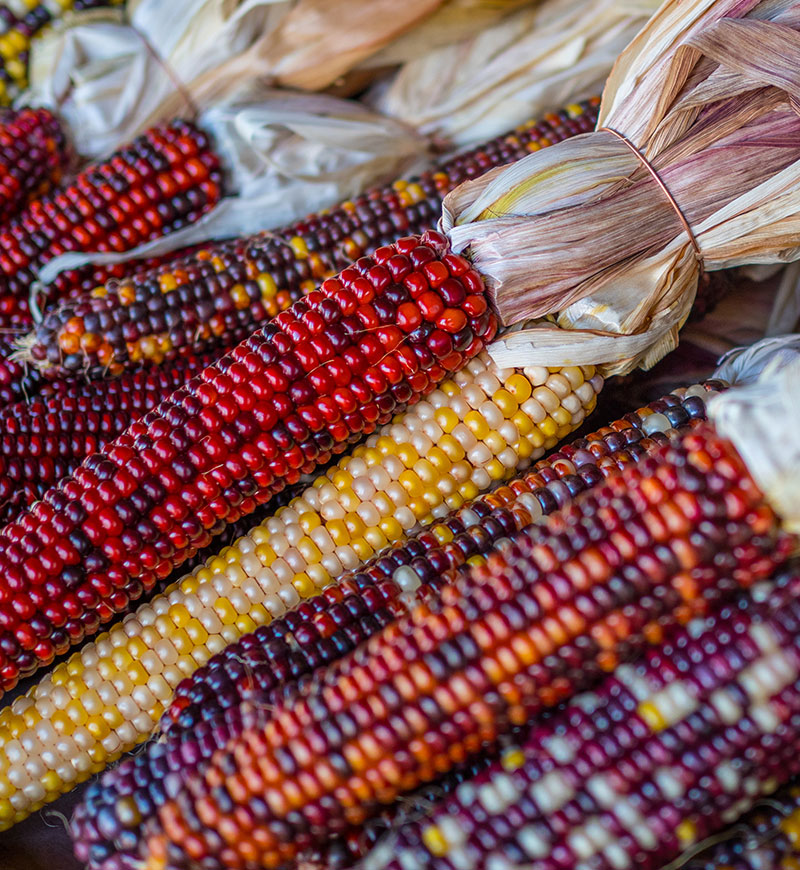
<point>485,424</point>
<point>206,710</point>
<point>33,155</point>
<point>661,755</point>
<point>565,601</point>
<point>44,440</point>
<point>20,22</point>
<point>165,179</point>
<point>218,295</point>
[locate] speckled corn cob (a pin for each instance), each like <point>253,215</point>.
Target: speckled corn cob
<point>214,295</point>
<point>374,497</point>
<point>33,156</point>
<point>323,374</point>
<point>43,441</point>
<point>662,755</point>
<point>165,179</point>
<point>564,603</point>
<point>206,709</point>
<point>20,21</point>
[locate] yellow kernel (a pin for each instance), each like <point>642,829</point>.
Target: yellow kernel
<point>376,538</point>
<point>419,508</point>
<point>447,419</point>
<point>355,525</point>
<point>304,585</point>
<point>245,624</point>
<point>425,471</point>
<point>653,717</point>
<point>506,402</point>
<point>468,490</point>
<point>439,460</point>
<point>454,451</point>
<point>495,442</point>
<point>267,286</point>
<point>548,427</point>
<point>391,528</point>
<point>167,282</point>
<point>265,554</point>
<point>519,387</point>
<point>225,611</point>
<point>309,550</point>
<point>407,454</point>
<point>298,245</point>
<point>197,632</point>
<point>686,832</point>
<point>338,532</point>
<point>122,658</point>
<point>562,416</point>
<point>136,672</point>
<point>362,549</point>
<point>51,782</point>
<point>411,483</point>
<point>112,717</point>
<point>523,423</point>
<point>477,425</point>
<point>454,501</point>
<point>136,647</point>
<point>450,388</point>
<point>434,841</point>
<point>341,479</point>
<point>76,712</point>
<point>513,758</point>
<point>442,534</point>
<point>495,469</point>
<point>217,565</point>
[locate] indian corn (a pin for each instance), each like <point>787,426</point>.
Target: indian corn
<point>206,710</point>
<point>567,601</point>
<point>109,696</point>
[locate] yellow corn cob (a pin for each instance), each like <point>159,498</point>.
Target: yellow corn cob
<point>477,429</point>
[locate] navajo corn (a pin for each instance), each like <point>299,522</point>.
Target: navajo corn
<point>217,294</point>
<point>374,497</point>
<point>33,156</point>
<point>206,711</point>
<point>662,755</point>
<point>43,441</point>
<point>164,179</point>
<point>568,600</point>
<point>323,373</point>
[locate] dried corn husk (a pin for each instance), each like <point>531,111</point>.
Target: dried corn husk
<point>582,233</point>
<point>285,155</point>
<point>534,60</point>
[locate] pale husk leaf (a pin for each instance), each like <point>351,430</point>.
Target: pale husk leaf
<point>286,155</point>
<point>762,420</point>
<point>582,232</point>
<point>744,365</point>
<point>537,59</point>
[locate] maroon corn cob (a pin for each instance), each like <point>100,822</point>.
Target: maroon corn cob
<point>564,603</point>
<point>218,295</point>
<point>331,368</point>
<point>206,709</point>
<point>660,757</point>
<point>45,440</point>
<point>33,156</point>
<point>162,181</point>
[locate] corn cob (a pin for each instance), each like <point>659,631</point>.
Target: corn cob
<point>212,295</point>
<point>45,440</point>
<point>325,372</point>
<point>18,382</point>
<point>20,21</point>
<point>206,707</point>
<point>663,754</point>
<point>34,154</point>
<point>135,668</point>
<point>565,602</point>
<point>164,180</point>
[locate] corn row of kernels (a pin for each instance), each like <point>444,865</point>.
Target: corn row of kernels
<point>43,441</point>
<point>368,500</point>
<point>20,21</point>
<point>211,296</point>
<point>563,603</point>
<point>661,756</point>
<point>207,708</point>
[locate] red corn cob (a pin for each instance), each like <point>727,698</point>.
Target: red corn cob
<point>216,296</point>
<point>163,180</point>
<point>206,709</point>
<point>45,440</point>
<point>331,368</point>
<point>33,155</point>
<point>650,546</point>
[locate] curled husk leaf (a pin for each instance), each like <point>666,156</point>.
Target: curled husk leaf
<point>582,237</point>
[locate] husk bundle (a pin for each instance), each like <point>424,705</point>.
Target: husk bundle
<point>582,232</point>
<point>537,59</point>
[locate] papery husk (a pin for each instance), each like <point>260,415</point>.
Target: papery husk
<point>537,59</point>
<point>745,365</point>
<point>285,156</point>
<point>582,233</point>
<point>762,420</point>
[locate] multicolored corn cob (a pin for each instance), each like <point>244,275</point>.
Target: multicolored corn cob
<point>662,755</point>
<point>165,179</point>
<point>33,156</point>
<point>206,710</point>
<point>567,601</point>
<point>43,441</point>
<point>20,21</point>
<point>213,295</point>
<point>324,373</point>
<point>374,497</point>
